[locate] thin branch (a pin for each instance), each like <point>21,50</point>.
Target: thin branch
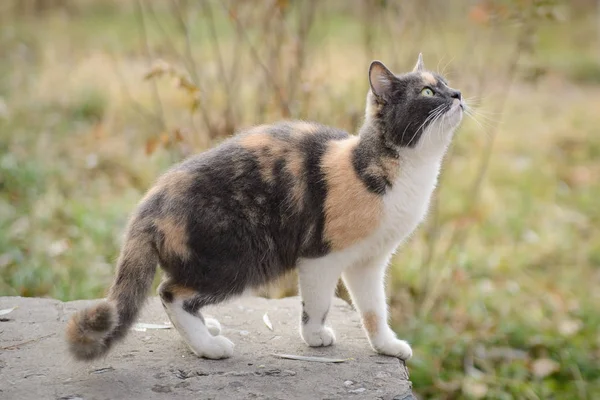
<point>229,114</point>
<point>192,68</point>
<point>146,45</point>
<point>137,106</point>
<point>305,24</point>
<point>283,102</point>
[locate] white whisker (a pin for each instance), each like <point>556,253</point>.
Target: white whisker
<point>434,114</point>
<point>446,66</point>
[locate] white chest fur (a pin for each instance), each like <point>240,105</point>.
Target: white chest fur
<point>405,206</point>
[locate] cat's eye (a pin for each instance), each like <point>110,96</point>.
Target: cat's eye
<point>427,92</point>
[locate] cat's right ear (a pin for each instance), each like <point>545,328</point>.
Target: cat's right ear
<point>419,66</point>
<point>381,80</point>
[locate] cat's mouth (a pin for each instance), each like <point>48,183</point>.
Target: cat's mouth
<point>455,112</point>
<point>457,107</point>
<point>457,104</point>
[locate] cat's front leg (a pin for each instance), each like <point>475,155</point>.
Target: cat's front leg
<point>318,280</point>
<point>366,284</point>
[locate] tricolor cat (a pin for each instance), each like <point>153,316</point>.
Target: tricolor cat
<point>276,197</point>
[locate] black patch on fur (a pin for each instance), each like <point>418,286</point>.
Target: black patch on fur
<point>375,183</point>
<point>192,306</point>
<point>324,317</point>
<point>371,151</point>
<point>166,295</point>
<point>305,317</point>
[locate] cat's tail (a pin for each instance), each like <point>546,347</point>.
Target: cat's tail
<point>92,331</point>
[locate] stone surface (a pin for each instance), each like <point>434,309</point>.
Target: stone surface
<point>156,364</point>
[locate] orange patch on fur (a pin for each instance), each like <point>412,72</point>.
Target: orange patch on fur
<point>173,183</point>
<point>391,168</point>
<point>295,165</point>
<point>183,291</point>
<point>305,127</point>
<point>370,321</point>
<point>257,140</point>
<point>428,78</point>
<point>176,290</point>
<point>351,211</point>
<point>175,236</point>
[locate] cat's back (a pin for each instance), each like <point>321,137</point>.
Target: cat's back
<point>268,155</point>
<point>258,168</point>
<point>276,141</point>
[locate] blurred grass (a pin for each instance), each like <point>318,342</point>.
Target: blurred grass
<point>510,312</point>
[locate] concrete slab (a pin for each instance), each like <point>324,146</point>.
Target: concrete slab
<point>156,364</point>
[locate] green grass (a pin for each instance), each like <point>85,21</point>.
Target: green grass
<point>481,312</point>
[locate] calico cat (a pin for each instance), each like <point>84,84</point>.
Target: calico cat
<point>283,196</point>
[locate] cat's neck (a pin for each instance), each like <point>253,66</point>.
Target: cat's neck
<point>372,143</point>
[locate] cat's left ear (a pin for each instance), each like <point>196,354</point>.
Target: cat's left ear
<point>419,67</point>
<point>381,79</point>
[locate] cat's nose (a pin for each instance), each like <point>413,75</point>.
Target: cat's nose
<point>456,94</point>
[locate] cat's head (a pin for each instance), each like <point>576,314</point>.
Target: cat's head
<point>415,109</point>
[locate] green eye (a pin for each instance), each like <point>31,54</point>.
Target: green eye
<point>427,92</point>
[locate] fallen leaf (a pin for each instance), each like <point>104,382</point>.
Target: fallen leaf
<point>102,370</point>
<point>142,327</point>
<point>151,145</point>
<point>8,310</point>
<point>267,321</point>
<point>543,367</point>
<point>311,359</point>
<point>188,85</point>
<point>178,135</point>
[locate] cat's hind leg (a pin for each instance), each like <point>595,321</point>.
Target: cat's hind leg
<point>182,305</point>
<point>318,280</point>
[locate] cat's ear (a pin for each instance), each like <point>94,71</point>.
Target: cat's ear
<point>419,66</point>
<point>381,79</point>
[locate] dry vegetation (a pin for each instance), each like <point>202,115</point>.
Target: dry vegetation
<point>497,292</point>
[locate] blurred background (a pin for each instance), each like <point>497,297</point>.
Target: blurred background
<point>498,291</point>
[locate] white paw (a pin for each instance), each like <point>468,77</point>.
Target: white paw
<point>216,348</point>
<point>394,347</point>
<point>324,336</point>
<point>214,326</point>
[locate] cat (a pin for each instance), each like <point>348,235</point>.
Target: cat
<point>293,194</point>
